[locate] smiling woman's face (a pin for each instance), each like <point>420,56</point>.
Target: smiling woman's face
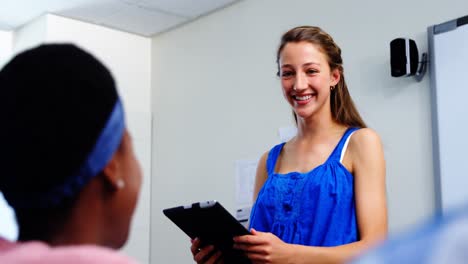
<point>306,78</point>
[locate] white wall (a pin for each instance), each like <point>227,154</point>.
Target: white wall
<point>30,34</point>
<point>6,46</point>
<point>216,99</point>
<point>128,57</point>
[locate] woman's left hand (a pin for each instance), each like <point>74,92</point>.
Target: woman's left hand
<point>263,248</point>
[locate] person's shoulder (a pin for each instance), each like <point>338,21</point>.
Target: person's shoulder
<point>364,139</point>
<point>365,136</point>
<point>437,240</point>
<point>17,253</point>
<point>262,165</point>
<point>265,155</point>
<point>91,254</point>
<point>365,148</point>
<point>38,253</point>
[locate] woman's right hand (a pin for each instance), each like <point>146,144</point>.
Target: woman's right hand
<point>206,254</point>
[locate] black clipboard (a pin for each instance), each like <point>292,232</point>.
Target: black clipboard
<point>213,225</point>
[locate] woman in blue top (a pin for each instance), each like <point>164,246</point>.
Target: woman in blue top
<point>320,197</point>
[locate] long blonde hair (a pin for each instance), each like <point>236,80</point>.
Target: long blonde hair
<point>342,106</point>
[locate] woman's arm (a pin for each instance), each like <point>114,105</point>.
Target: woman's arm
<point>369,185</point>
<point>368,167</point>
<point>260,176</point>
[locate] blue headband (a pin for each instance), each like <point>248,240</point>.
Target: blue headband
<point>105,147</point>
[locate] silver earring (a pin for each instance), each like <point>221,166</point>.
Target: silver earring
<point>332,87</point>
<point>120,184</point>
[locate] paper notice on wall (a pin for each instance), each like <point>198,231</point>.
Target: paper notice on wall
<point>243,215</point>
<point>245,180</point>
<point>286,133</point>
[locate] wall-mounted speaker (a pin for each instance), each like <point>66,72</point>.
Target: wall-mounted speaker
<point>403,57</point>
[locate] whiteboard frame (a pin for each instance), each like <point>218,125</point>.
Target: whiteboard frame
<point>432,31</point>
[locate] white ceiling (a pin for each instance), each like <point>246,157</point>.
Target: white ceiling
<point>143,17</point>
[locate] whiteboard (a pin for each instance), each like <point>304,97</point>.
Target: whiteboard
<point>448,55</point>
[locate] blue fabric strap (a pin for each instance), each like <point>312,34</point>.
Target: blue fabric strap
<point>336,154</point>
<point>105,147</point>
<point>273,157</point>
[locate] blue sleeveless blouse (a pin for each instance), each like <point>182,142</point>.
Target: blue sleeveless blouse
<point>315,208</point>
